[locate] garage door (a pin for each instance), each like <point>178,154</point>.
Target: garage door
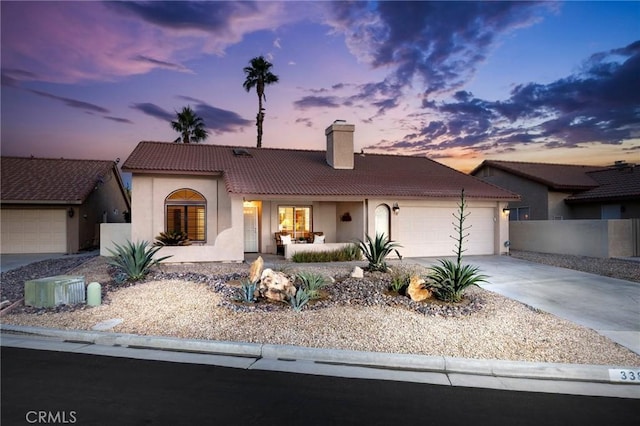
<point>426,231</point>
<point>34,231</point>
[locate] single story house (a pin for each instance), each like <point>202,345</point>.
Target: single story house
<point>563,191</point>
<point>233,200</point>
<point>56,205</point>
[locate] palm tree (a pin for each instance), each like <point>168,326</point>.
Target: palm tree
<point>190,126</point>
<point>259,76</point>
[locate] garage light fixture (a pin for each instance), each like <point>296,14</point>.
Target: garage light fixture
<point>506,211</point>
<point>395,208</point>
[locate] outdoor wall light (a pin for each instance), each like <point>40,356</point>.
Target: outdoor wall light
<point>506,211</point>
<point>395,208</point>
<point>70,212</point>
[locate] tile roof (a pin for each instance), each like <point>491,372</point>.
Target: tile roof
<point>44,180</point>
<point>555,176</point>
<point>614,183</point>
<point>289,172</point>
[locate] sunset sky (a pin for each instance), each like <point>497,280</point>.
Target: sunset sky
<point>457,81</point>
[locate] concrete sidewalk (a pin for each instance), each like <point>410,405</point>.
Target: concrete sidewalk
<point>594,380</point>
<point>607,305</point>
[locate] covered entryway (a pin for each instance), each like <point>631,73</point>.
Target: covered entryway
<point>34,231</point>
<point>427,231</point>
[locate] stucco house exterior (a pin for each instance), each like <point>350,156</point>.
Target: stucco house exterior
<point>233,200</point>
<point>563,191</point>
<point>56,205</point>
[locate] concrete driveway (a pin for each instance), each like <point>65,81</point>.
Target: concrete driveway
<point>15,261</point>
<point>607,305</point>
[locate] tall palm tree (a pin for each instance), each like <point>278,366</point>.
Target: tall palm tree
<point>190,126</point>
<point>259,76</point>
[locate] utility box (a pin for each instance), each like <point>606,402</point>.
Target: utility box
<point>53,291</point>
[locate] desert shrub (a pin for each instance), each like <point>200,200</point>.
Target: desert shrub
<point>172,238</point>
<point>312,283</point>
<point>377,250</point>
<point>400,279</point>
<point>135,259</point>
<point>299,300</point>
<point>247,292</point>
<point>345,254</point>
<point>449,280</point>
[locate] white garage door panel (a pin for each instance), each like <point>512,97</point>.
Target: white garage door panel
<point>34,231</point>
<point>427,231</point>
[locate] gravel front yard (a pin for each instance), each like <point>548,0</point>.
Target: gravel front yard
<point>195,301</point>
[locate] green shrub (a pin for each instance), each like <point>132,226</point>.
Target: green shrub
<point>247,292</point>
<point>376,251</point>
<point>172,238</point>
<point>400,280</point>
<point>449,280</point>
<point>345,254</point>
<point>312,283</point>
<point>300,299</point>
<point>135,259</point>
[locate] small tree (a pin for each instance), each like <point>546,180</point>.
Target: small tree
<point>449,280</point>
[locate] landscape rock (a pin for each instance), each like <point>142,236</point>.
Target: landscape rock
<point>276,286</point>
<point>357,272</point>
<point>256,270</point>
<point>416,291</point>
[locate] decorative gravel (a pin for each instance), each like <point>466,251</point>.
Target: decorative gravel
<point>197,301</point>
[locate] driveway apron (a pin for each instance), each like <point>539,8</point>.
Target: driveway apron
<point>607,305</point>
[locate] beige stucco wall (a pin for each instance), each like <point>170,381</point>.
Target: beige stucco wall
<point>594,238</point>
<point>111,234</point>
<point>225,239</point>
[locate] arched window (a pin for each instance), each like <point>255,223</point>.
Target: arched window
<point>186,211</point>
<point>382,220</point>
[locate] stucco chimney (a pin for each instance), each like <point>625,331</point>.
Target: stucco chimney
<point>340,145</point>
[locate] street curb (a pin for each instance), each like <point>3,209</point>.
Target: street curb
<point>378,360</point>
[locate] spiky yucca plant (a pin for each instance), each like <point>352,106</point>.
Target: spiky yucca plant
<point>299,300</point>
<point>172,238</point>
<point>135,259</point>
<point>247,292</point>
<point>377,250</point>
<point>312,283</point>
<point>449,280</point>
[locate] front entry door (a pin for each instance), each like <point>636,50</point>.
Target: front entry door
<point>251,229</point>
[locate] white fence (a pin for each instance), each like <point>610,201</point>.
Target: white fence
<point>594,238</point>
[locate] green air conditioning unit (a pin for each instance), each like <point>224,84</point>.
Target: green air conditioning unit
<point>53,291</point>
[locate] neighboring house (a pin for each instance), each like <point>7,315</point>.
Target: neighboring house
<point>233,200</point>
<point>56,205</point>
<point>562,191</point>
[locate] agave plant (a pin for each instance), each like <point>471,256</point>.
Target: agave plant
<point>376,251</point>
<point>247,292</point>
<point>135,259</point>
<point>449,280</point>
<point>300,299</point>
<point>172,238</point>
<point>312,283</point>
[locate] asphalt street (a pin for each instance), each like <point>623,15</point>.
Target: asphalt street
<point>102,390</point>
